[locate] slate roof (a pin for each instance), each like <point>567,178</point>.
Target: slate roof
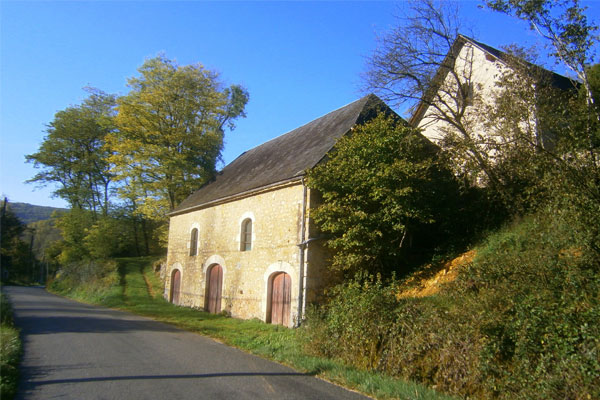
<point>558,81</point>
<point>286,157</point>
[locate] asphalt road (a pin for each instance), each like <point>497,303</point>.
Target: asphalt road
<point>77,351</point>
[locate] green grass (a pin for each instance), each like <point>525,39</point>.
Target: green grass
<point>140,291</point>
<point>10,351</point>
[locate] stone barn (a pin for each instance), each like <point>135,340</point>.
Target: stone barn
<point>245,243</point>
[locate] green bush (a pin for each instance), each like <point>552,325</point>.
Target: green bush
<point>537,293</point>
<point>387,198</point>
<point>356,322</point>
<point>6,317</point>
<point>90,278</point>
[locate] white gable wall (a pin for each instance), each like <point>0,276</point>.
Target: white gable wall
<point>473,66</point>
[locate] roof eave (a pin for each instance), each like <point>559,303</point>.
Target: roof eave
<point>237,196</point>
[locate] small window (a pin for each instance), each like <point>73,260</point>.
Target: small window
<point>246,235</point>
<point>194,242</point>
<point>466,94</point>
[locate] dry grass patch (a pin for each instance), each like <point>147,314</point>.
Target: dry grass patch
<point>429,280</point>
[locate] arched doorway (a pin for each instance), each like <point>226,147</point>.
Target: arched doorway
<point>175,286</point>
<point>281,296</point>
<point>214,279</point>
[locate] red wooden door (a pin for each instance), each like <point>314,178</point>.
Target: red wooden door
<point>215,282</point>
<point>175,286</point>
<point>281,295</point>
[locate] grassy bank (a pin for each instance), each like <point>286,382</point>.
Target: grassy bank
<point>10,351</point>
<point>520,320</point>
<point>137,289</point>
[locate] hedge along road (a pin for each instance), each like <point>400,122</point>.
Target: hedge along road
<point>78,351</point>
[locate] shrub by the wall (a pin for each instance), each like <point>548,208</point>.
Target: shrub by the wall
<point>356,322</point>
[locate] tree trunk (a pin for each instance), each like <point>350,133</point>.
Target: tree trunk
<point>145,233</point>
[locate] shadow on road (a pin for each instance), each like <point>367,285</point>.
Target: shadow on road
<point>144,377</point>
<point>85,324</point>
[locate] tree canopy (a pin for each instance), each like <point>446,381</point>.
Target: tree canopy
<point>423,62</point>
<point>408,57</point>
<point>152,147</point>
<point>571,39</point>
<point>73,153</point>
<point>380,186</point>
<point>570,35</point>
<point>170,132</point>
<point>15,254</point>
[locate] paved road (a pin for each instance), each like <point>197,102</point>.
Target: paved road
<point>77,351</point>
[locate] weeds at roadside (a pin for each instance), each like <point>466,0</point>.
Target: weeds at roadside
<point>10,351</point>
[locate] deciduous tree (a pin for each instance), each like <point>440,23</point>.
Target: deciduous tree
<point>73,155</point>
<point>15,255</point>
<point>424,62</point>
<point>171,129</point>
<point>571,38</point>
<point>570,35</point>
<point>381,185</point>
<point>408,57</point>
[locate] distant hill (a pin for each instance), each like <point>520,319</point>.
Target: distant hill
<point>39,224</point>
<point>29,213</point>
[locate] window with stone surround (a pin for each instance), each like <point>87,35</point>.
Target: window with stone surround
<point>194,242</point>
<point>246,235</point>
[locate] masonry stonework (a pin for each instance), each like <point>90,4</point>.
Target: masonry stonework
<point>276,234</point>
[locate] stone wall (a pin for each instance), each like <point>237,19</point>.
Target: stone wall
<point>276,233</point>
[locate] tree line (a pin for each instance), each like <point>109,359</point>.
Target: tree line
<point>123,162</point>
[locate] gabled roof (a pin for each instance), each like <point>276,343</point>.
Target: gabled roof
<point>286,157</point>
<point>556,80</point>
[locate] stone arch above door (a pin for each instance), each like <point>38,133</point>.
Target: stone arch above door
<point>214,259</point>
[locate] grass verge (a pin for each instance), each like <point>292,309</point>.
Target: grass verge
<point>140,292</point>
<point>10,351</point>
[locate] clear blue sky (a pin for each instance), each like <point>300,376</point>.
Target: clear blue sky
<point>298,60</point>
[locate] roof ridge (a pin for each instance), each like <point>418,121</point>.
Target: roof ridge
<point>557,80</point>
<point>309,122</point>
<point>284,157</point>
